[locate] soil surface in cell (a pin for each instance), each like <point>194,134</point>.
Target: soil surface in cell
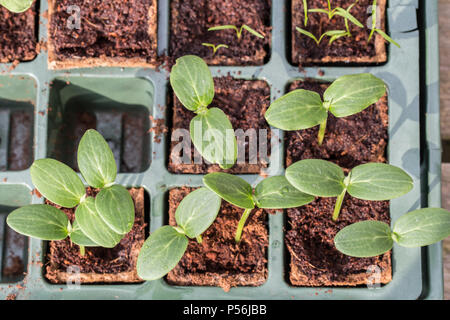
<point>64,254</point>
<point>354,47</point>
<point>18,35</point>
<point>190,20</point>
<point>218,260</point>
<point>106,29</point>
<point>20,151</point>
<point>348,142</point>
<point>244,102</point>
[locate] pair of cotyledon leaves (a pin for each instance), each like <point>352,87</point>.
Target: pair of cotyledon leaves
<point>100,221</point>
<point>197,211</point>
<point>211,130</point>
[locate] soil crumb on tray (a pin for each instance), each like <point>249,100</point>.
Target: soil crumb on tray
<point>218,260</point>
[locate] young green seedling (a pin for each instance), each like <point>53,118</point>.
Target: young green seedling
<point>333,34</point>
<point>166,246</point>
<point>271,193</point>
<point>101,221</point>
<point>303,109</point>
<point>17,6</point>
<point>211,130</point>
<point>370,181</point>
<point>415,229</point>
<point>305,11</point>
<point>238,30</point>
<point>375,29</point>
<point>338,11</point>
<point>214,47</point>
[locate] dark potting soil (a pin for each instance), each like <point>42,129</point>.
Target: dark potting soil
<point>345,49</point>
<point>244,102</point>
<point>107,29</point>
<point>13,265</point>
<point>218,260</point>
<point>122,258</point>
<point>349,141</point>
<point>129,145</point>
<point>18,35</point>
<point>190,20</point>
<point>20,151</point>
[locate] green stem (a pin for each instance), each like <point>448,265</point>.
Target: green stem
<point>82,251</point>
<point>322,130</point>
<point>338,205</point>
<point>199,239</point>
<point>241,225</point>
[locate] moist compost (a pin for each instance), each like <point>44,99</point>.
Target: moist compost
<point>109,33</point>
<point>20,151</point>
<point>218,260</point>
<point>244,102</point>
<point>190,20</point>
<point>349,141</point>
<point>355,49</point>
<point>18,35</point>
<point>106,264</point>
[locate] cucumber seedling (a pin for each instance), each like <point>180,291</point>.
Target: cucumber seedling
<point>238,30</point>
<point>415,229</point>
<point>303,109</point>
<point>211,130</point>
<point>370,181</point>
<point>214,47</point>
<point>271,193</point>
<point>17,6</point>
<point>166,246</point>
<point>99,222</point>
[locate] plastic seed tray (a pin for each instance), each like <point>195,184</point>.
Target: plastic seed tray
<point>413,145</point>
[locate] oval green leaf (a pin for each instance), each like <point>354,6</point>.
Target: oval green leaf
<point>116,207</point>
<point>351,94</point>
<point>378,181</point>
<point>213,136</point>
<point>17,6</point>
<point>231,188</point>
<point>197,211</point>
<point>78,237</point>
<point>93,225</point>
<point>364,239</point>
<point>57,182</point>
<point>278,193</point>
<point>96,160</point>
<point>192,82</point>
<point>316,177</point>
<point>39,221</point>
<point>160,253</point>
<point>297,110</point>
<point>422,227</point>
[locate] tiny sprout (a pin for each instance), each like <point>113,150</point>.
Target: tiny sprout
<point>101,221</point>
<point>340,12</point>
<point>214,47</point>
<point>379,31</point>
<point>303,109</point>
<point>17,6</point>
<point>415,229</point>
<point>238,30</point>
<point>305,9</point>
<point>333,34</point>
<point>193,85</point>
<point>271,193</point>
<point>166,246</point>
<point>370,181</point>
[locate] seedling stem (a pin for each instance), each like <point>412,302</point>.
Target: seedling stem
<point>241,225</point>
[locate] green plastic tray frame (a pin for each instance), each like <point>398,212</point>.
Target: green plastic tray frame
<point>417,273</point>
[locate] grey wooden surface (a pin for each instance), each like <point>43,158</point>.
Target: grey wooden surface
<point>444,51</point>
